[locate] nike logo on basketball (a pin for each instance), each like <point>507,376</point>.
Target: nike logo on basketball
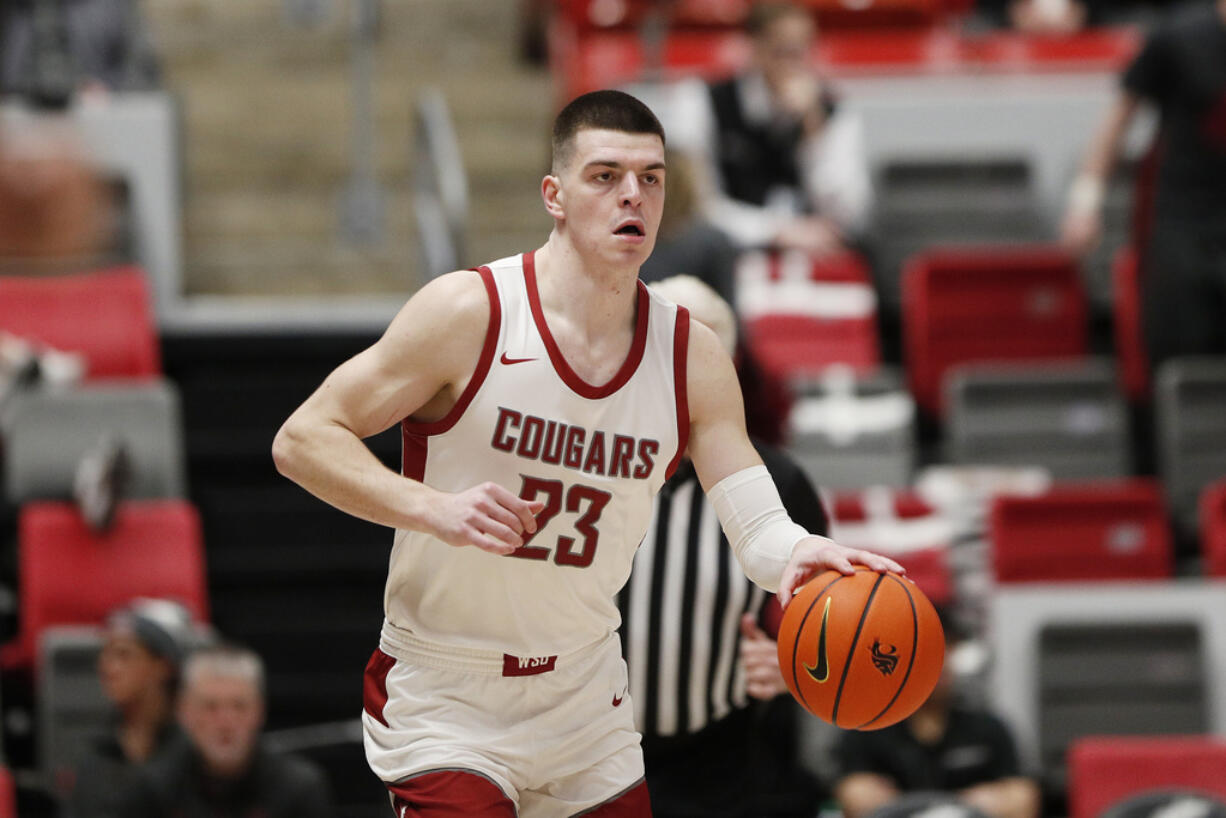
<point>821,671</point>
<point>508,361</point>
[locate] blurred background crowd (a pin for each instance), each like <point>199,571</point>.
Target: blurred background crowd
<point>975,255</point>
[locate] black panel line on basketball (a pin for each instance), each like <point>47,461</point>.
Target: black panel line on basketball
<point>796,644</point>
<point>914,650</point>
<point>851,651</point>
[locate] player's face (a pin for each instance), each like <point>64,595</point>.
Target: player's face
<point>610,195</point>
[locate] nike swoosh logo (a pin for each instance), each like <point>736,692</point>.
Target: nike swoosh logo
<point>504,359</point>
<point>821,671</point>
<point>617,700</point>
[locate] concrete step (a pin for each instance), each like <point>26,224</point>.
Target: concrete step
<point>267,109</point>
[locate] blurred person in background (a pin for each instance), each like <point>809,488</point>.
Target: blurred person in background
<point>946,749</point>
<point>719,740</point>
<point>53,204</point>
<point>1062,17</point>
<point>1180,71</point>
<point>138,668</point>
<point>1044,17</point>
<point>689,244</point>
<point>223,770</point>
<point>784,161</point>
<point>51,50</point>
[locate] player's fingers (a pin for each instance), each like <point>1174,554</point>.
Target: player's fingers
<point>879,563</point>
<point>749,627</point>
<point>523,511</point>
<point>503,538</point>
<point>841,562</point>
<point>503,516</point>
<point>787,587</point>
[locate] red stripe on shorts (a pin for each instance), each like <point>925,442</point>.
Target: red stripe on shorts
<point>374,684</point>
<point>450,794</point>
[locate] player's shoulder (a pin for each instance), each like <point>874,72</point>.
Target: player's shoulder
<point>450,303</point>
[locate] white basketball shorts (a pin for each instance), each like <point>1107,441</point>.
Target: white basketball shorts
<point>555,733</point>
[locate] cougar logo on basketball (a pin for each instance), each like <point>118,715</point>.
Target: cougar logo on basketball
<point>821,671</point>
<point>885,657</point>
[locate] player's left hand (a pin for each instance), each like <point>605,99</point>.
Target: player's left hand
<point>813,555</point>
<point>760,658</point>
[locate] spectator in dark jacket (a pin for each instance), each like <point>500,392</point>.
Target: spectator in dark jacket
<point>224,771</point>
<point>138,669</point>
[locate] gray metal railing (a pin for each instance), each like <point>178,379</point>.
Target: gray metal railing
<point>440,185</point>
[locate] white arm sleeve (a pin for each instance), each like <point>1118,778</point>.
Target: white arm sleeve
<point>758,528</point>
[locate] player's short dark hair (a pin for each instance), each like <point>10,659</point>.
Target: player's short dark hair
<point>763,14</point>
<point>603,110</point>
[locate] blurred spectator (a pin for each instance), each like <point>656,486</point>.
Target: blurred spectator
<point>1056,17</point>
<point>53,205</point>
<point>785,162</point>
<point>1051,17</point>
<point>1181,71</point>
<point>944,749</point>
<point>718,739</point>
<point>224,771</point>
<point>689,244</point>
<point>52,49</point>
<point>139,671</point>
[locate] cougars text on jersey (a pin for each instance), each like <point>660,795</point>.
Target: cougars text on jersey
<point>574,447</point>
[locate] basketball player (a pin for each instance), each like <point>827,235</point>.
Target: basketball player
<point>543,400</point>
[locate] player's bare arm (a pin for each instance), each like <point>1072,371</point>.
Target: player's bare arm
<point>417,369</point>
<point>775,553</point>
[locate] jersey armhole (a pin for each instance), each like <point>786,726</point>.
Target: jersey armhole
<point>681,351</point>
<point>489,346</point>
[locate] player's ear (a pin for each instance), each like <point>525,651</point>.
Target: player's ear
<point>551,193</point>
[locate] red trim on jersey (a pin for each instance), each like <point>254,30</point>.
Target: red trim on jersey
<point>568,376</point>
<point>681,348</point>
<point>374,685</point>
<point>450,794</point>
<point>412,433</point>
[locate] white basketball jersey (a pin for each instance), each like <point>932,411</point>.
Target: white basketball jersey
<point>596,455</point>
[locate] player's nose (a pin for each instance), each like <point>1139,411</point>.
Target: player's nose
<point>631,190</point>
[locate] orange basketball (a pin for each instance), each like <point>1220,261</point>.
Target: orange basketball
<point>861,652</point>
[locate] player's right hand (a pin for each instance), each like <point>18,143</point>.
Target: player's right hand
<point>487,516</point>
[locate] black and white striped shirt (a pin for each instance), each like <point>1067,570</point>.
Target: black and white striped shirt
<point>681,609</point>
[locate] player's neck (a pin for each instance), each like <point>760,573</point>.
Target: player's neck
<point>599,298</point>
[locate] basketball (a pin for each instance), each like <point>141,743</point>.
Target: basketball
<point>863,651</point>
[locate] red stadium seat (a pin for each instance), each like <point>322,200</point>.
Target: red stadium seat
<point>876,13</point>
<point>985,304</point>
<point>68,575</point>
<point>8,795</point>
<point>1092,531</point>
<point>105,315</point>
<point>1213,528</point>
<point>906,528</point>
<point>803,314</point>
<point>603,15</point>
<point>1105,770</point>
<point>1129,343</point>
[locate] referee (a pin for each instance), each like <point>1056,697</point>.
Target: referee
<point>718,739</point>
